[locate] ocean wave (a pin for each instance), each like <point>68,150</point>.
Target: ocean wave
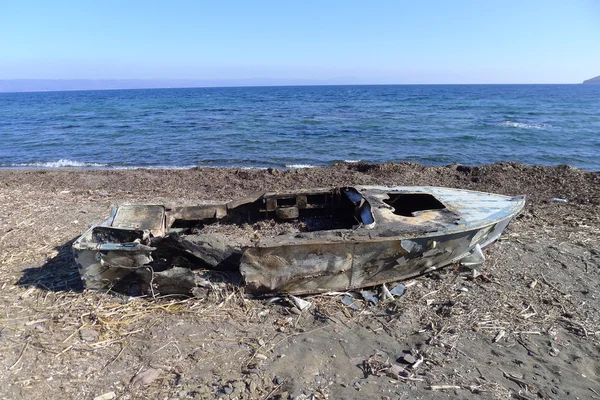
<point>62,163</point>
<point>66,163</point>
<point>128,167</point>
<point>299,166</point>
<point>352,161</point>
<point>522,125</point>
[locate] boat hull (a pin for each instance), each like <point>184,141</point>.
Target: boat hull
<point>322,267</point>
<point>402,232</point>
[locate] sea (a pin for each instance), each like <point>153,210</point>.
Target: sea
<point>301,126</point>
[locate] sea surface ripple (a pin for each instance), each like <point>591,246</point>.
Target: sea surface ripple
<point>303,126</point>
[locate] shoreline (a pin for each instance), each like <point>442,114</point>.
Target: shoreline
<point>288,167</point>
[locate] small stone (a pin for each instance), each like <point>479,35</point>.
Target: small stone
<point>409,359</point>
<point>252,388</point>
<point>228,390</point>
<point>553,351</point>
<point>200,293</point>
<point>106,396</point>
<point>279,380</point>
<point>239,385</point>
<point>395,371</point>
<point>146,377</point>
<point>260,356</point>
<point>88,335</point>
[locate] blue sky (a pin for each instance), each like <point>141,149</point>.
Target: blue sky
<point>460,41</point>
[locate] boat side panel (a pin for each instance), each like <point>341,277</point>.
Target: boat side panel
<point>310,268</point>
<point>307,268</point>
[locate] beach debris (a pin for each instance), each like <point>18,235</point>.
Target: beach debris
<point>499,336</point>
<point>398,290</point>
<point>380,365</point>
<point>396,371</point>
<point>418,362</point>
<point>474,259</point>
<point>369,296</point>
<point>146,377</point>
<point>385,293</point>
<point>263,313</point>
<point>533,284</point>
<point>350,302</point>
<point>300,303</point>
<point>278,380</point>
<point>553,352</point>
<point>559,200</point>
<point>375,365</point>
<point>200,292</point>
<point>292,243</point>
<point>443,387</point>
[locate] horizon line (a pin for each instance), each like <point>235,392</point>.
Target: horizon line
<point>222,83</point>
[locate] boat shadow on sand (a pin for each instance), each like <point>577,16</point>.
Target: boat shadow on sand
<point>57,274</point>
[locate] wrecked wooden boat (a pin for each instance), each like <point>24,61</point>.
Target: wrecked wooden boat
<point>305,241</point>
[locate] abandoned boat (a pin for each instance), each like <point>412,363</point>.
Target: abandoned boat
<point>306,241</point>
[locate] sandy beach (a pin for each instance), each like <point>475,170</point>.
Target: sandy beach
<point>526,326</point>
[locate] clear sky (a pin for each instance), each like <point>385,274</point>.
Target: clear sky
<point>429,41</point>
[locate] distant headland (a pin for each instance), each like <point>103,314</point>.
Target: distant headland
<point>593,80</point>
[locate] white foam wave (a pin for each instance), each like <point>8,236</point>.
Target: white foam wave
<point>299,166</point>
<point>66,163</point>
<point>352,161</point>
<point>153,167</point>
<point>522,125</point>
<point>62,163</point>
